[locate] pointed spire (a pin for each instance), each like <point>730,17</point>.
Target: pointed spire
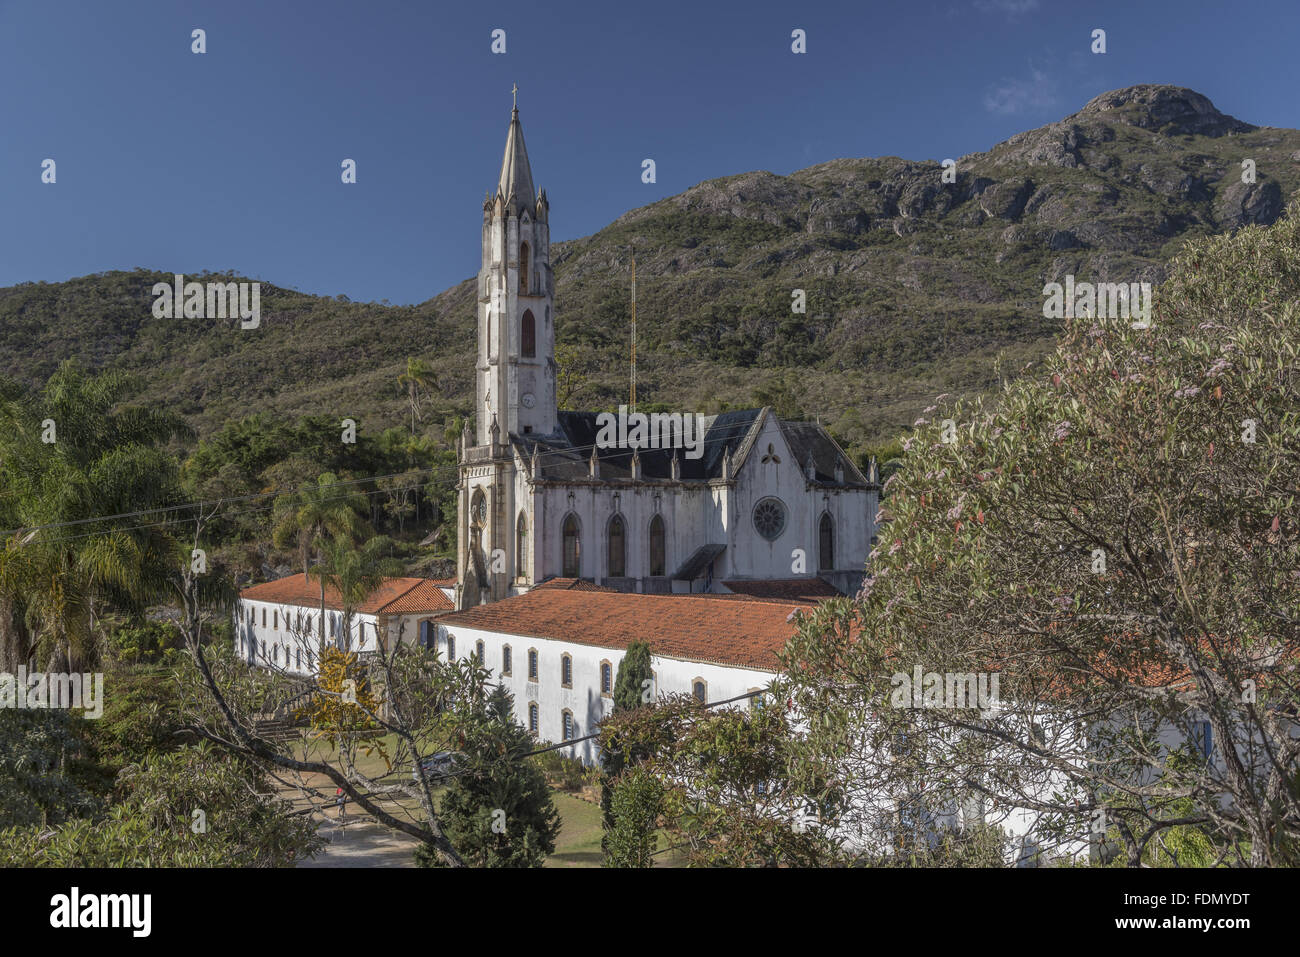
<point>593,464</point>
<point>516,175</point>
<point>676,467</point>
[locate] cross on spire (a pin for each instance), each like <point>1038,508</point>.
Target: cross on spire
<point>514,92</point>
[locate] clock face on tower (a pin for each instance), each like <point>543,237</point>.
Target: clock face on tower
<point>527,400</point>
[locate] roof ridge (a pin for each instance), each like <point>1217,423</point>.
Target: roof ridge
<point>417,583</point>
<point>746,445</point>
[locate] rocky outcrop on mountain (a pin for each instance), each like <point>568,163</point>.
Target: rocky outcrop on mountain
<point>1240,204</point>
<point>1165,109</point>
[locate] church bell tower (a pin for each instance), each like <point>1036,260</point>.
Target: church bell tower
<point>515,381</point>
<point>516,320</point>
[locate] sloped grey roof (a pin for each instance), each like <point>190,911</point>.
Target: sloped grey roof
<point>516,174</point>
<point>698,563</point>
<point>805,438</point>
<point>566,456</point>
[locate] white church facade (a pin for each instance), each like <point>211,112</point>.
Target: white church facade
<point>540,497</point>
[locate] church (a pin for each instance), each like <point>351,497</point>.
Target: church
<point>767,508</point>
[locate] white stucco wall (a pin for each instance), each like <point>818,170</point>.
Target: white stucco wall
<point>584,699</point>
<point>288,641</point>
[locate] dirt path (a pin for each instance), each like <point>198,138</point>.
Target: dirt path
<point>356,840</point>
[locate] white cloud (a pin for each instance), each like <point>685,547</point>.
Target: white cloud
<point>1021,95</point>
<point>1009,7</point>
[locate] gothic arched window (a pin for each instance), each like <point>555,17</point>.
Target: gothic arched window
<point>572,548</point>
<point>523,269</point>
<point>826,543</point>
<point>521,547</point>
<point>528,335</point>
<point>617,547</point>
<point>657,556</point>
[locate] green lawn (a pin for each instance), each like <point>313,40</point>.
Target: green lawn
<point>579,842</point>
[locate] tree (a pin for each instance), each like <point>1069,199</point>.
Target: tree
<point>634,805</point>
<point>725,795</point>
<point>319,511</point>
<point>573,378</point>
<point>1115,538</point>
<point>353,573</point>
<point>422,698</point>
<point>632,685</point>
<point>498,808</point>
<point>635,677</point>
<point>417,376</point>
<point>35,786</point>
<point>69,455</point>
<point>191,807</point>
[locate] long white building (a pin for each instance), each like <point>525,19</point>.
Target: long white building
<point>278,624</point>
<point>557,650</point>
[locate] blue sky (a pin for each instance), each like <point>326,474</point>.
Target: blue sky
<point>231,160</point>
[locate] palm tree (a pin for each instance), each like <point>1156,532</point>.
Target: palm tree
<point>324,510</point>
<point>68,456</point>
<point>353,573</point>
<point>417,376</point>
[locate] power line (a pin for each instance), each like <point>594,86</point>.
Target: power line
<point>724,435</point>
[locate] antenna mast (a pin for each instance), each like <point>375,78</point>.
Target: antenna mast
<point>633,403</point>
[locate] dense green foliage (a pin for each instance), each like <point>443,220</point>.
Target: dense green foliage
<point>36,786</point>
<point>630,837</point>
<point>633,672</point>
<point>70,453</point>
<point>1116,537</point>
<point>497,809</point>
<point>186,808</point>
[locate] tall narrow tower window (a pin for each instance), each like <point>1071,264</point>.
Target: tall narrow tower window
<point>523,269</point>
<point>617,548</point>
<point>572,548</point>
<point>657,562</point>
<point>826,542</point>
<point>528,335</point>
<point>521,547</point>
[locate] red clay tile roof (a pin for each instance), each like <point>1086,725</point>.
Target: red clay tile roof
<point>743,633</point>
<point>573,584</point>
<point>396,596</point>
<point>786,589</point>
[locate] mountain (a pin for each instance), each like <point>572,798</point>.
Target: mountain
<point>914,286</point>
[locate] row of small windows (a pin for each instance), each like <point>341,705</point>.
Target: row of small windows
<point>566,722</point>
<point>615,547</point>
<point>280,655</point>
<point>699,687</point>
<point>769,521</point>
<point>302,623</point>
<point>507,663</point>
